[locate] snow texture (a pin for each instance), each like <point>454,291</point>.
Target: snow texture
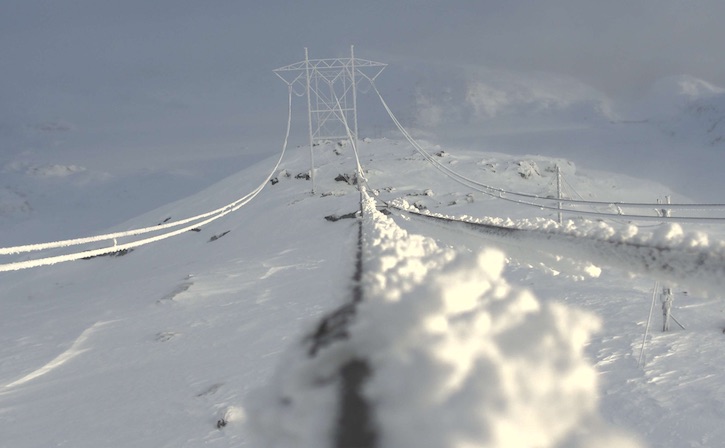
<point>459,357</point>
<point>186,342</point>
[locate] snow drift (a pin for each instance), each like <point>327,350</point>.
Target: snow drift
<point>458,357</point>
<point>169,341</point>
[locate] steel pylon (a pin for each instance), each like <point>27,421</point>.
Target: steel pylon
<point>330,86</point>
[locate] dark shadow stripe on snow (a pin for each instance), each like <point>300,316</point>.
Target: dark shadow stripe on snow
<point>354,427</point>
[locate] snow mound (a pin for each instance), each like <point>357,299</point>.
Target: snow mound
<point>458,357</point>
<point>528,168</point>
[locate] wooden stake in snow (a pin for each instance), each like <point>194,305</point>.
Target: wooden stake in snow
<point>558,191</point>
<point>666,298</point>
<point>649,319</point>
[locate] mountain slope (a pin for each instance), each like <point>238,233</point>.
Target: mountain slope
<point>153,348</point>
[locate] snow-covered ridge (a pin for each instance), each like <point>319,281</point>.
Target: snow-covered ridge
<point>665,236</point>
<point>686,109</point>
<point>664,252</point>
<point>672,94</point>
<point>448,341</point>
<point>184,330</point>
<point>667,133</point>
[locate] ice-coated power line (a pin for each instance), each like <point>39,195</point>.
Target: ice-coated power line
<point>500,193</point>
<point>197,221</point>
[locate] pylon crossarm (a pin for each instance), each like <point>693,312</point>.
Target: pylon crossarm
<point>331,89</point>
<point>330,63</point>
<point>292,80</point>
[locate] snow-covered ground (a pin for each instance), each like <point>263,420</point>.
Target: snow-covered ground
<point>156,347</point>
<point>500,328</point>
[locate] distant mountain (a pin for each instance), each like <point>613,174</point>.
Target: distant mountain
<point>484,97</point>
<point>701,121</point>
<point>673,93</point>
<point>686,108</point>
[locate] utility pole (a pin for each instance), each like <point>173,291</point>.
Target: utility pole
<point>667,299</point>
<point>558,191</point>
<point>665,212</point>
<point>649,319</point>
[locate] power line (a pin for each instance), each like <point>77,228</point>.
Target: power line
<point>676,261</point>
<point>205,217</point>
<point>500,193</point>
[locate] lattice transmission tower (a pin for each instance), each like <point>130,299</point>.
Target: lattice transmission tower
<point>330,86</point>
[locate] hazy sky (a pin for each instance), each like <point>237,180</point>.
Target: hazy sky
<point>152,73</point>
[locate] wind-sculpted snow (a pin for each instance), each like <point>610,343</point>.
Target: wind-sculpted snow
<point>666,235</point>
<point>458,357</point>
<point>579,246</point>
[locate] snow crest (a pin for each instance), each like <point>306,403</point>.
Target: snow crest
<point>459,358</point>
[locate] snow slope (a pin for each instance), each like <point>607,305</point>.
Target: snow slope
<point>671,133</point>
<point>154,348</point>
<point>40,196</point>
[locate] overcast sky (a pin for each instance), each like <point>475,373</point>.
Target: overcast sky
<point>144,71</point>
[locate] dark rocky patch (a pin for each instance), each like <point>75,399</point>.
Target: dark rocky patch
<point>335,218</point>
<point>119,253</point>
<point>216,237</point>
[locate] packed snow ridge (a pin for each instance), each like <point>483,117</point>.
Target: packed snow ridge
<point>459,357</point>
